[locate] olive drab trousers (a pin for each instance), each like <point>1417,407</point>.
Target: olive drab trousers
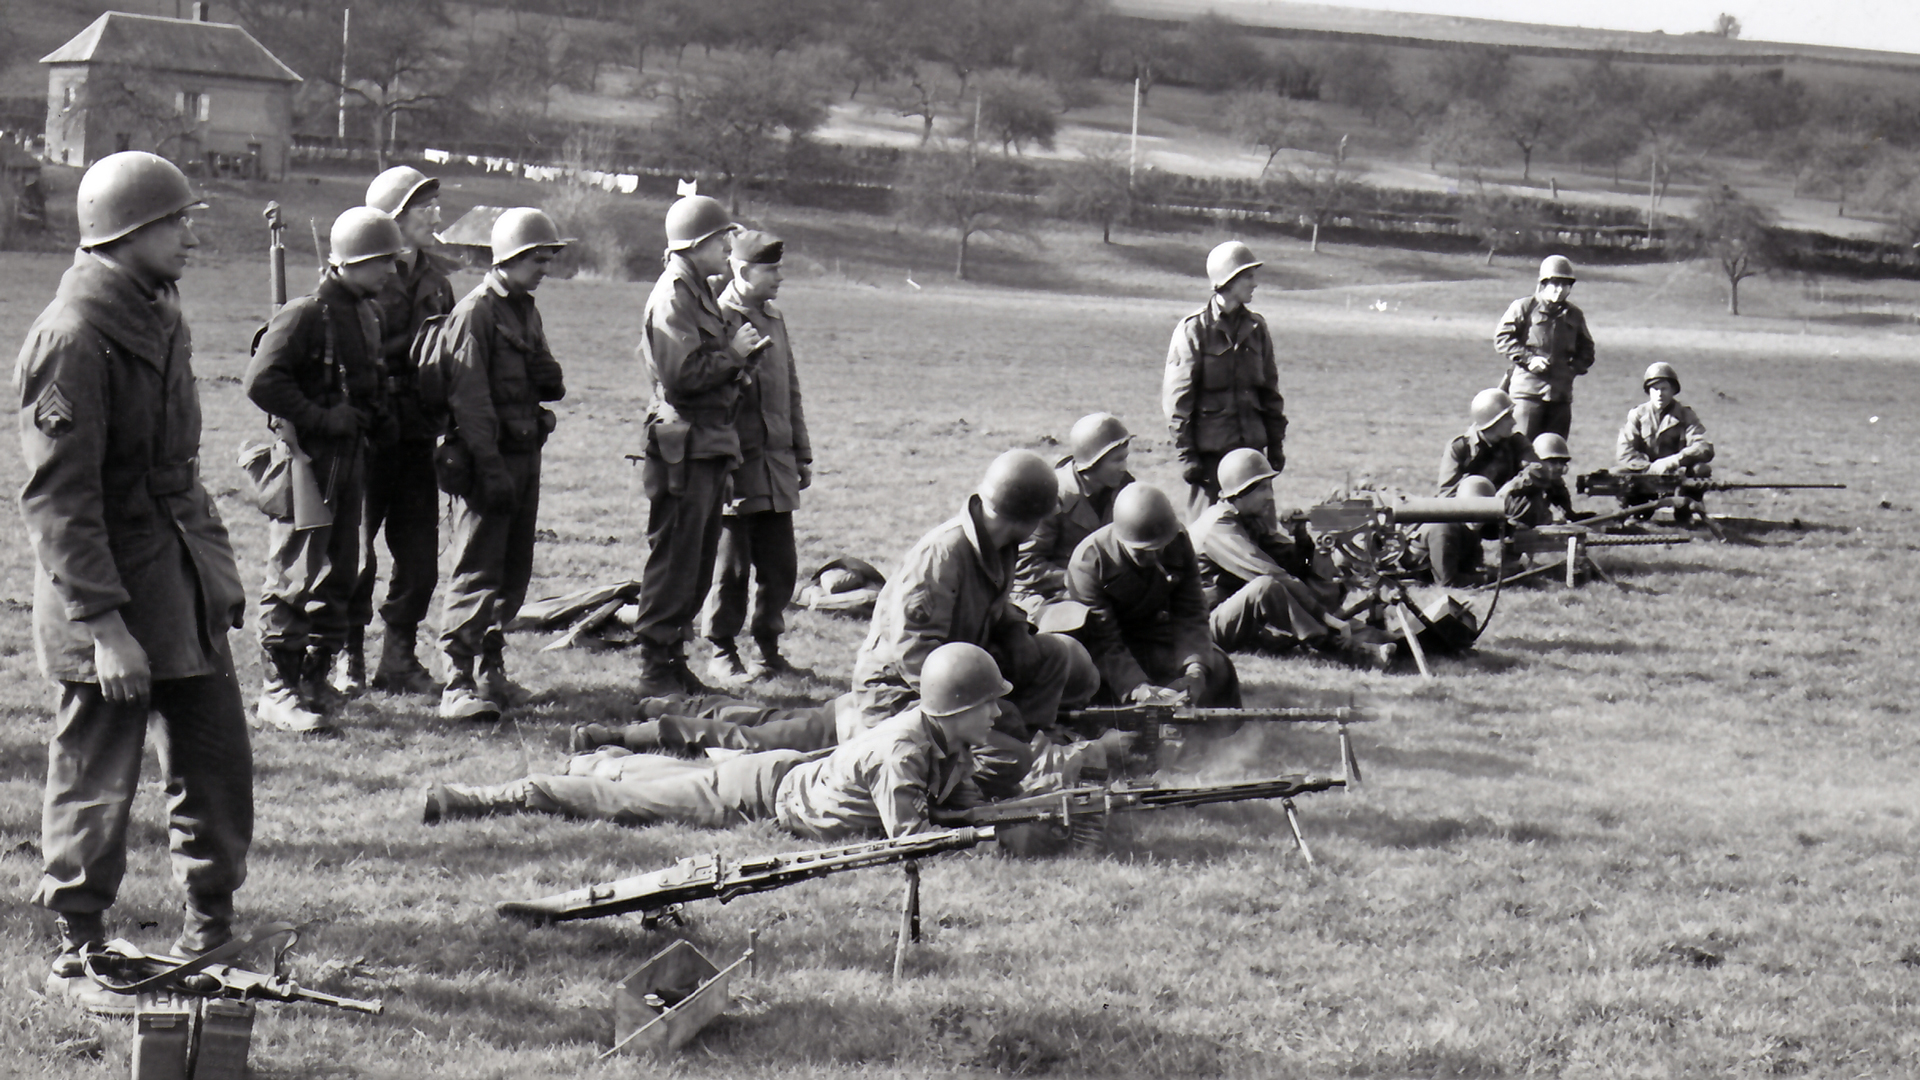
<point>683,542</point>
<point>489,565</point>
<point>760,546</point>
<point>646,789</point>
<point>402,498</point>
<point>312,573</point>
<point>93,773</point>
<point>1285,605</point>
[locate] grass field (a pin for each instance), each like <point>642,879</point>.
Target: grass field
<point>1666,829</point>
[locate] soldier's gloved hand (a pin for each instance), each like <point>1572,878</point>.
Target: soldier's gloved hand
<point>748,341</point>
<point>1277,459</point>
<point>1194,473</point>
<point>806,475</point>
<point>342,421</point>
<point>495,489</point>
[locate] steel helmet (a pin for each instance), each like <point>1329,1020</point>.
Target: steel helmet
<point>1020,486</point>
<point>394,189</point>
<point>1489,406</point>
<point>1661,370</point>
<point>1242,469</point>
<point>522,229</point>
<point>1096,435</point>
<point>363,233</point>
<point>1550,447</point>
<point>1083,675</point>
<point>1556,266</point>
<point>959,676</point>
<point>1228,261</point>
<point>123,191</point>
<point>693,218</point>
<point>1475,487</point>
<point>1143,517</point>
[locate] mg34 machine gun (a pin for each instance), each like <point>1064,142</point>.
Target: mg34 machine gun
<point>1643,493</point>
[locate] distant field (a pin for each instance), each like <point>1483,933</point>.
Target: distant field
<point>1664,829</point>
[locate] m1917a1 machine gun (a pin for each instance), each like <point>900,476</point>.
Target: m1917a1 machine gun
<point>1645,492</point>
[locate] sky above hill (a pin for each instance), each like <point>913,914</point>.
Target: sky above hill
<point>1862,24</point>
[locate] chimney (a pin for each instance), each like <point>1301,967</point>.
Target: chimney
<point>199,12</point>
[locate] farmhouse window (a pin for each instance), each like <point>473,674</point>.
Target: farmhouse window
<point>190,103</point>
<point>66,97</point>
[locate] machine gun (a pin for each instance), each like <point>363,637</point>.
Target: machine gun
<point>1153,725</point>
<point>124,968</point>
<point>710,877</point>
<point>1643,493</point>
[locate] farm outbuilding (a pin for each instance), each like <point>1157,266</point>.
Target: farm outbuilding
<point>206,95</point>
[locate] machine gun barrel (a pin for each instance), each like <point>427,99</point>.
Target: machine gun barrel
<point>1117,715</point>
<point>1727,485</point>
<point>709,877</point>
<point>1607,483</point>
<point>1063,806</point>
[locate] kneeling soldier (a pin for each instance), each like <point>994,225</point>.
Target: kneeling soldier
<point>885,780</point>
<point>1492,447</point>
<point>1258,581</point>
<point>502,370</point>
<point>318,372</point>
<point>1146,614</point>
<point>1661,435</point>
<point>1089,480</point>
<point>135,586</point>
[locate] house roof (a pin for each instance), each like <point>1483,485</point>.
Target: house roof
<point>160,44</point>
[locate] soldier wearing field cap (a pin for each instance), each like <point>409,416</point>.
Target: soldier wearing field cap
<point>1545,338</point>
<point>953,585</point>
<point>1221,390</point>
<point>317,374</point>
<point>1661,435</point>
<point>1258,579</point>
<point>402,497</point>
<point>697,365</point>
<point>135,585</point>
<point>756,526</point>
<point>1147,614</point>
<point>502,372</point>
<point>1088,481</point>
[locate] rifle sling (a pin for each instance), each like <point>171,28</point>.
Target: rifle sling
<point>218,955</point>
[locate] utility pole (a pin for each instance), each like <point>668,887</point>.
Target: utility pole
<point>1133,144</point>
<point>1653,179</point>
<point>346,24</point>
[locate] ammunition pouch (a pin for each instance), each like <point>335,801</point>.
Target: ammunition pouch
<point>665,470</point>
<point>267,469</point>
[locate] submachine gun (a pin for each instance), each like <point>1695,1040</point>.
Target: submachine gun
<point>1645,492</point>
<point>1360,536</point>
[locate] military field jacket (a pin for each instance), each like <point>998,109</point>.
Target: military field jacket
<point>1153,603</point>
<point>1234,549</point>
<point>1649,437</point>
<point>409,299</point>
<point>886,780</point>
<point>1530,328</point>
<point>691,366</point>
<point>771,425</point>
<point>290,378</point>
<point>1221,390</point>
<point>1041,569</point>
<point>1473,454</point>
<point>502,370</point>
<point>950,586</point>
<point>113,502</point>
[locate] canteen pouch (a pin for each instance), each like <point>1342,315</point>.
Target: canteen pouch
<point>268,471</point>
<point>453,466</point>
<point>665,470</point>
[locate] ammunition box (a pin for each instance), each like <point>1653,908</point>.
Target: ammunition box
<point>162,1037</point>
<point>226,1032</point>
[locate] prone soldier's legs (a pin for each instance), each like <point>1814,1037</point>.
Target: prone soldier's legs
<point>645,789</point>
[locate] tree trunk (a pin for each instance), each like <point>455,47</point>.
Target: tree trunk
<point>1733,296</point>
<point>1526,164</point>
<point>1106,232</point>
<point>960,264</point>
<point>1490,250</point>
<point>1313,245</point>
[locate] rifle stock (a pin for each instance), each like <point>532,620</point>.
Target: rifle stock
<point>710,877</point>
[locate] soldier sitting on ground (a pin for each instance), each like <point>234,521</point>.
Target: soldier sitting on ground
<point>1491,446</point>
<point>1146,614</point>
<point>1089,479</point>
<point>1258,579</point>
<point>885,780</point>
<point>1538,495</point>
<point>687,724</point>
<point>1451,551</point>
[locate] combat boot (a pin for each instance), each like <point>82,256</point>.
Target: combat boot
<point>462,700</point>
<point>496,687</point>
<point>400,671</point>
<point>68,979</point>
<point>316,686</point>
<point>726,667</point>
<point>771,662</point>
<point>658,675</point>
<point>689,682</point>
<point>447,802</point>
<point>280,704</point>
<point>348,672</point>
<point>640,738</point>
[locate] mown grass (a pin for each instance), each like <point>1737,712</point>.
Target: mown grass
<point>1660,830</point>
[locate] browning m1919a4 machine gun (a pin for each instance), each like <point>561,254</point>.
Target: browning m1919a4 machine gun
<point>1647,492</point>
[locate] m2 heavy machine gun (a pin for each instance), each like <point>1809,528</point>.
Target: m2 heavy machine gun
<point>1645,492</point>
<point>1361,539</point>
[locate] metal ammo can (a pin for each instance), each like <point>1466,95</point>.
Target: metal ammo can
<point>163,1037</point>
<point>226,1032</point>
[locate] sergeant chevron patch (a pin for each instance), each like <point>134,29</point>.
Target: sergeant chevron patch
<point>53,413</point>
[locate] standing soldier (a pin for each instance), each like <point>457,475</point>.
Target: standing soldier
<point>697,370</point>
<point>401,494</point>
<point>317,372</point>
<point>135,585</point>
<point>1088,480</point>
<point>1222,388</point>
<point>776,465</point>
<point>500,372</point>
<point>1545,338</point>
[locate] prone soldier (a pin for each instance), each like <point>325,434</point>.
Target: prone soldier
<point>1544,337</point>
<point>135,585</point>
<point>756,528</point>
<point>1258,580</point>
<point>1146,613</point>
<point>1088,480</point>
<point>317,374</point>
<point>402,497</point>
<point>1221,390</point>
<point>501,371</point>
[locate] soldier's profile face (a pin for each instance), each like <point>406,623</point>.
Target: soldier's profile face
<point>418,221</point>
<point>1239,291</point>
<point>1110,470</point>
<point>528,269</point>
<point>159,251</point>
<point>759,281</point>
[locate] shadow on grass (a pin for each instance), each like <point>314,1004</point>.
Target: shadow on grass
<point>1384,830</point>
<point>23,761</point>
<point>1608,647</point>
<point>1457,762</point>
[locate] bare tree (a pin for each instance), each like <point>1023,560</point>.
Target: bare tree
<point>1734,234</point>
<point>957,187</point>
<point>737,123</point>
<point>397,66</point>
<point>1499,221</point>
<point>1016,110</point>
<point>919,95</point>
<point>1324,189</point>
<point>1468,137</point>
<point>1270,123</point>
<point>1726,26</point>
<point>126,100</point>
<point>1095,188</point>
